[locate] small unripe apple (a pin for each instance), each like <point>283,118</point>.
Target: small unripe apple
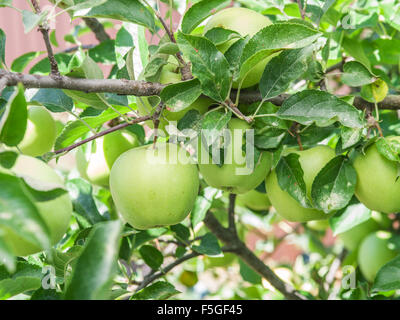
<point>311,161</point>
<point>170,74</point>
<point>245,22</point>
<point>377,185</point>
<point>40,133</point>
<point>56,213</point>
<point>108,148</point>
<point>352,238</point>
<point>254,200</point>
<point>154,187</point>
<point>318,225</point>
<point>234,175</point>
<point>376,250</point>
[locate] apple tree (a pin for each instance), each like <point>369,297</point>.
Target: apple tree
<point>180,152</point>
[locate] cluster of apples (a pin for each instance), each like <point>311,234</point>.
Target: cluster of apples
<point>157,185</point>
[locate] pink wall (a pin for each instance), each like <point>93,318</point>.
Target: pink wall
<point>18,42</point>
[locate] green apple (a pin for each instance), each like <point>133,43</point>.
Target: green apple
<point>234,176</point>
<point>311,161</point>
<point>170,74</point>
<point>377,185</point>
<point>247,23</point>
<point>352,238</point>
<point>40,133</point>
<point>56,213</point>
<point>154,187</point>
<point>318,225</point>
<point>107,149</point>
<point>376,250</point>
<point>254,200</point>
<point>188,278</point>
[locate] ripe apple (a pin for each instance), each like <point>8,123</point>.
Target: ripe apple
<point>376,250</point>
<point>154,187</point>
<point>56,213</point>
<point>234,176</point>
<point>108,148</point>
<point>170,74</point>
<point>311,161</point>
<point>377,185</point>
<point>40,133</point>
<point>245,22</point>
<point>352,238</point>
<point>254,200</point>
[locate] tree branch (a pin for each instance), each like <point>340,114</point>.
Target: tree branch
<point>97,28</point>
<point>44,29</point>
<point>240,249</point>
<point>119,86</point>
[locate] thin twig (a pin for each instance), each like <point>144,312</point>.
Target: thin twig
<point>154,275</point>
<point>236,111</point>
<point>231,213</point>
<point>302,13</point>
<point>44,29</point>
<point>103,133</point>
<point>156,121</point>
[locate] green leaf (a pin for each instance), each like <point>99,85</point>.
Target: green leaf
<point>125,10</point>
<point>208,245</point>
<point>8,158</point>
<point>352,216</point>
<point>168,48</point>
<point>147,235</point>
<point>179,96</point>
<point>388,277</point>
<point>46,294</point>
<point>81,194</point>
<point>151,256</point>
<point>355,48</point>
<point>2,48</point>
<point>202,205</point>
<point>182,232</point>
<point>233,55</point>
<point>32,20</point>
<point>219,36</point>
<point>282,70</point>
<point>350,137</point>
<point>334,186</point>
<point>279,36</point>
<point>61,260</point>
<point>77,129</point>
<point>15,117</point>
<point>90,70</point>
<point>124,42</point>
<point>154,66</point>
<point>92,276</point>
<point>213,124</point>
<point>7,257</point>
<point>20,213</point>
<point>53,99</point>
<point>43,66</point>
<point>208,65</point>
<point>22,62</point>
<point>319,107</point>
<point>355,74</point>
<point>12,287</point>
<point>390,149</point>
<point>199,12</point>
<point>43,191</point>
<point>290,178</point>
<point>104,52</point>
<point>160,290</point>
<point>249,274</point>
